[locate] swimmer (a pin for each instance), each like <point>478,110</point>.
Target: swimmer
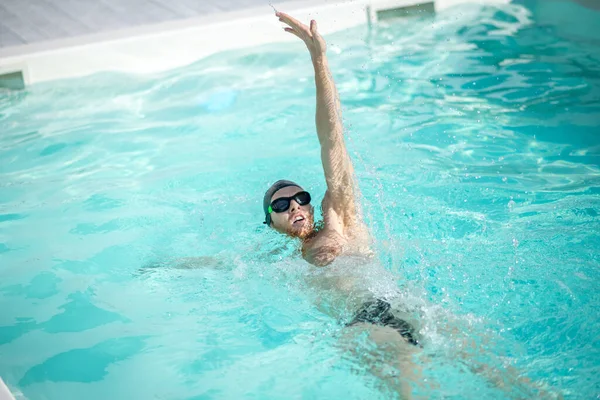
<point>287,206</point>
<point>289,210</point>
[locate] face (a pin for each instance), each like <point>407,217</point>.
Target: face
<point>296,221</point>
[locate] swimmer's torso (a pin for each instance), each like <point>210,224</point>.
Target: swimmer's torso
<point>341,252</point>
<point>350,281</point>
<point>340,234</point>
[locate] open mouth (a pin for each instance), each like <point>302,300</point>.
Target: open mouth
<point>298,220</point>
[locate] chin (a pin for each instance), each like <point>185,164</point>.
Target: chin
<point>301,232</point>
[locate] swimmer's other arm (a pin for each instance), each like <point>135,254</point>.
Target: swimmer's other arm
<point>337,166</point>
<point>211,262</point>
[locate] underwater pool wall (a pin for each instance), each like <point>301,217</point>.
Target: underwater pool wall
<point>163,46</point>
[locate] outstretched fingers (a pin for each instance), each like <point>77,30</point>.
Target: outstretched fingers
<point>291,21</point>
<point>298,26</point>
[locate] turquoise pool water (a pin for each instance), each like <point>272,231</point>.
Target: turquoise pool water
<point>474,135</point>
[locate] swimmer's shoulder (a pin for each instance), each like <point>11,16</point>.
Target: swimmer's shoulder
<point>329,244</point>
<point>324,247</point>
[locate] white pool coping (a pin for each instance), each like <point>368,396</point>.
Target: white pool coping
<point>4,392</point>
<point>164,46</point>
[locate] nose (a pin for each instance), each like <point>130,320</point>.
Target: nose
<point>294,206</point>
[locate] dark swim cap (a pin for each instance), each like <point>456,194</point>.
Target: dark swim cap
<point>272,190</point>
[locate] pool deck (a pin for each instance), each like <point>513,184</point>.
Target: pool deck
<point>44,40</point>
<point>34,21</point>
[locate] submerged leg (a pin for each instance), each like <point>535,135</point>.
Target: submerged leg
<point>468,351</point>
<point>385,354</point>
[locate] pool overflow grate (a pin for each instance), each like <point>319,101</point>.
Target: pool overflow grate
<point>12,80</point>
<point>386,10</point>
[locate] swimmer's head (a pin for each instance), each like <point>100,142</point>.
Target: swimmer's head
<point>288,210</point>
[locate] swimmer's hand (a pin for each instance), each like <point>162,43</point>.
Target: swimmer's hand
<point>185,263</point>
<point>314,42</point>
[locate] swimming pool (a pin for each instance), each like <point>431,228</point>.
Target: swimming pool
<point>474,138</point>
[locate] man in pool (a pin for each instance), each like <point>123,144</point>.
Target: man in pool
<point>288,210</point>
<point>287,207</point>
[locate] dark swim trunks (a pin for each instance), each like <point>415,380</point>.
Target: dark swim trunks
<point>378,312</point>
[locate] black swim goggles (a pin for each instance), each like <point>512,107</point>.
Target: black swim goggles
<point>282,204</point>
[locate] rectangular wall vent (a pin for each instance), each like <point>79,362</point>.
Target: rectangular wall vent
<point>12,80</point>
<point>392,9</point>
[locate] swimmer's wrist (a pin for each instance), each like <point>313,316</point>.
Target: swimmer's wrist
<point>319,59</point>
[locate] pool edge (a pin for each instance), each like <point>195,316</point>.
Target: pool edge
<point>172,44</point>
<point>5,394</point>
<point>159,47</point>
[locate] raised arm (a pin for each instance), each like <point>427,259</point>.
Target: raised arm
<point>337,166</point>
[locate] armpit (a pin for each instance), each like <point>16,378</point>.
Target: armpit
<point>322,255</point>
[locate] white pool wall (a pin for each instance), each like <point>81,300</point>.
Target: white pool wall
<point>4,392</point>
<point>159,47</point>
